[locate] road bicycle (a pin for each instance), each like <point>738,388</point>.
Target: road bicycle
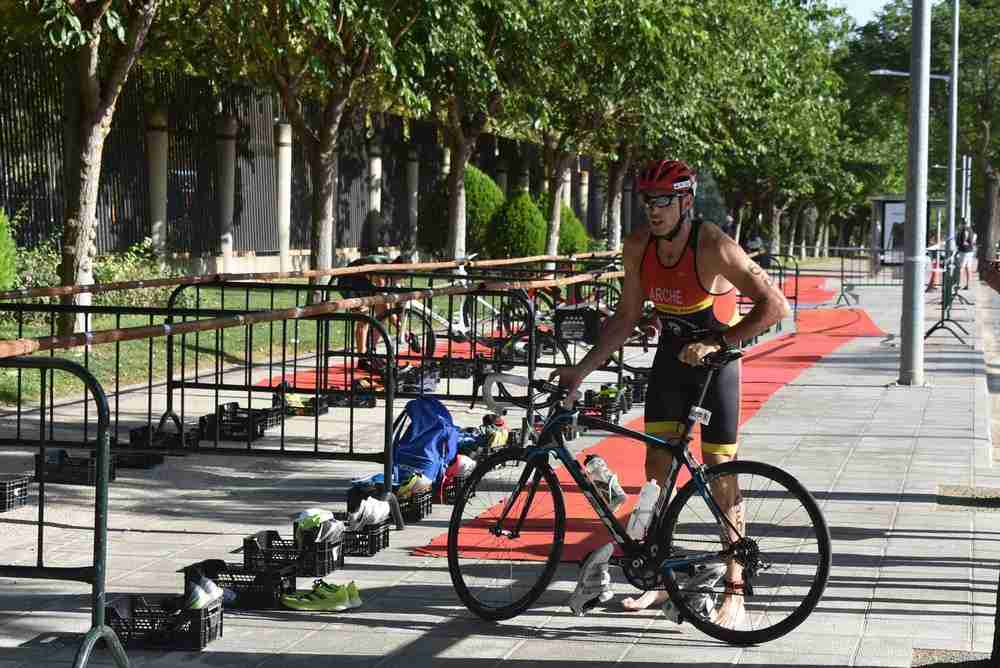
<point>508,525</point>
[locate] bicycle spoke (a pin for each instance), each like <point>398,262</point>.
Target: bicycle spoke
<point>783,555</point>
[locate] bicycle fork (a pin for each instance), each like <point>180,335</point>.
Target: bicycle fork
<point>497,529</point>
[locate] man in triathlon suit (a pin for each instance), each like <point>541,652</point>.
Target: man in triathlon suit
<point>690,270</point>
<point>366,285</point>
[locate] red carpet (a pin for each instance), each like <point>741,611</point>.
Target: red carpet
<point>339,376</point>
<point>766,368</point>
<point>811,290</point>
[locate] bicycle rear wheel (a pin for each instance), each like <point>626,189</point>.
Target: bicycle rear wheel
<point>506,534</point>
<point>411,332</point>
<point>784,539</point>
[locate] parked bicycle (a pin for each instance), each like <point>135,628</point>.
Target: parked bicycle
<point>508,525</point>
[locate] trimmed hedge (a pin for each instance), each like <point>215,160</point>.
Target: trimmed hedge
<point>483,198</point>
<point>517,230</point>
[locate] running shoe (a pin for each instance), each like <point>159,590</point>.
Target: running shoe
<point>594,584</point>
<point>201,593</point>
<point>353,593</point>
<point>698,592</point>
<point>322,598</point>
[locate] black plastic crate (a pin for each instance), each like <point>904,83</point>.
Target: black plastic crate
<point>454,487</point>
<point>138,460</point>
<point>62,469</point>
<point>266,550</point>
<point>237,424</point>
<point>160,622</point>
<point>306,407</point>
<point>413,508</point>
<point>148,436</point>
<point>366,542</point>
<point>13,491</point>
<point>347,399</point>
<point>417,506</point>
<point>254,590</point>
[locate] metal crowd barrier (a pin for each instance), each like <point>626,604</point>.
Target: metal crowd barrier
<point>93,574</point>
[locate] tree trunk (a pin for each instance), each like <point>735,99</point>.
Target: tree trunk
<point>613,202</point>
<point>561,161</point>
<point>985,217</point>
<point>461,151</point>
<point>793,223</point>
<point>323,168</point>
<point>89,105</point>
<point>737,214</point>
<point>774,225</point>
<point>79,247</point>
<point>808,217</point>
<point>320,145</point>
<point>991,213</point>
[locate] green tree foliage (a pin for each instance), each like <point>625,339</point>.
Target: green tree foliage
<point>477,56</point>
<point>885,43</point>
<point>517,230</point>
<point>320,56</point>
<point>483,198</point>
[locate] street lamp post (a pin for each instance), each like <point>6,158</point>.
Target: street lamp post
<point>911,363</point>
<point>952,128</point>
<point>911,369</point>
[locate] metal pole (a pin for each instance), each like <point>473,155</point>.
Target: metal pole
<point>911,363</point>
<point>953,129</point>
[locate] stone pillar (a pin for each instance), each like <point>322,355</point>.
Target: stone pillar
<point>374,176</point>
<point>226,187</point>
<point>413,195</point>
<point>501,170</point>
<point>523,181</point>
<point>283,215</point>
<point>585,197</point>
<point>567,191</point>
<point>157,147</point>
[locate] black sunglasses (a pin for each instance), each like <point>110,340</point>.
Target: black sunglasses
<point>660,201</point>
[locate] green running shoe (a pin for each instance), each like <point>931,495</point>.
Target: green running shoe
<point>353,593</point>
<point>323,597</point>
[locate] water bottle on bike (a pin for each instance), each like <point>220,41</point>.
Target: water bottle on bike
<point>605,481</point>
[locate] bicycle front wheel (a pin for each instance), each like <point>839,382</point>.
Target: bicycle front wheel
<point>506,534</point>
<point>549,352</point>
<point>780,547</point>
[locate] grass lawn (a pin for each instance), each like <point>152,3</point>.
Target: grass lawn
<point>131,362</point>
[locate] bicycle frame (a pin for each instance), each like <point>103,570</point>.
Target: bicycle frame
<point>550,441</point>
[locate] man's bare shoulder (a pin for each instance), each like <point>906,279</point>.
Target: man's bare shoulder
<point>635,242</point>
<point>712,237</point>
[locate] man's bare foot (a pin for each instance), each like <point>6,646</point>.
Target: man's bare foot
<point>649,598</point>
<point>731,614</point>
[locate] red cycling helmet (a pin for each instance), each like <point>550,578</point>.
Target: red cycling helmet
<point>671,176</point>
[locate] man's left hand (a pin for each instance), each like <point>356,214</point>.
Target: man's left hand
<point>692,353</point>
